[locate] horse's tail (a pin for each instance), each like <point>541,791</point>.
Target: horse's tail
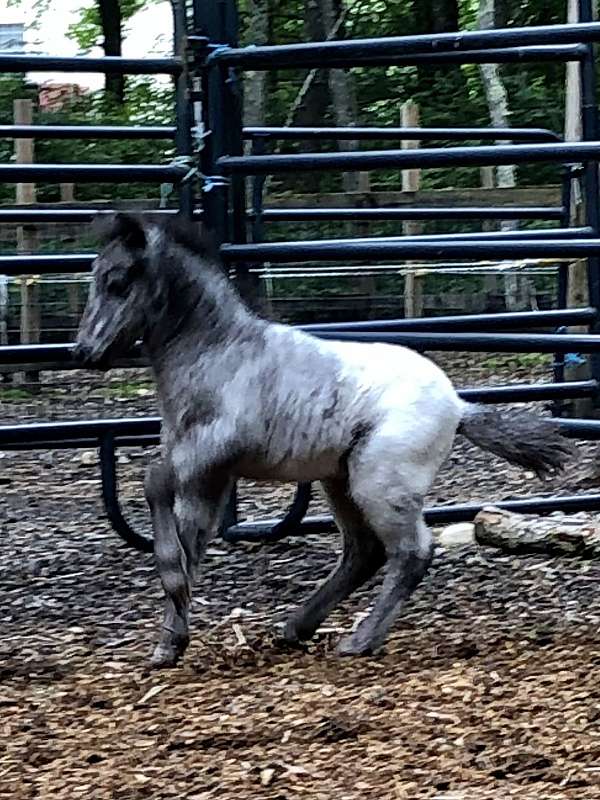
<point>523,438</point>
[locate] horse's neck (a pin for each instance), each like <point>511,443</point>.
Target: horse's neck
<point>201,310</point>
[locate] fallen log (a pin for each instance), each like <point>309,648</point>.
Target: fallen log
<point>527,533</point>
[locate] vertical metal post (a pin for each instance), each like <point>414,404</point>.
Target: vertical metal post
<point>110,495</point>
<point>589,133</point>
<point>211,19</point>
<point>568,177</point>
<point>214,194</point>
<point>258,184</point>
<point>184,145</point>
<point>589,130</point>
<point>558,369</point>
<point>224,200</point>
<point>217,20</point>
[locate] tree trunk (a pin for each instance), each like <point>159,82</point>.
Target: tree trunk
<point>515,287</point>
<point>444,15</point>
<point>309,109</point>
<point>436,16</point>
<point>411,182</point>
<point>313,110</point>
<point>255,82</point>
<point>528,533</point>
<point>323,20</point>
<point>495,93</point>
<point>111,22</point>
<point>341,86</point>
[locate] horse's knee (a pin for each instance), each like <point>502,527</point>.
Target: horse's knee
<point>420,563</point>
<point>158,485</point>
<point>175,584</point>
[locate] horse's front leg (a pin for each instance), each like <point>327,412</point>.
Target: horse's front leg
<point>186,515</point>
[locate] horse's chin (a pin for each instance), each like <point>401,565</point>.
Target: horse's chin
<point>102,362</point>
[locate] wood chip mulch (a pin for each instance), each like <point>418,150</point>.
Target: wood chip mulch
<point>488,688</point>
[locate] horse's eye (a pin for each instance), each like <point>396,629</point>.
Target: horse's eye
<point>117,284</point>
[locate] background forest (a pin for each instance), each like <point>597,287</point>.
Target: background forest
<point>447,96</point>
<point>521,94</point>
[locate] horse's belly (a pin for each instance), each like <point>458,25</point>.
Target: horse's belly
<point>292,469</point>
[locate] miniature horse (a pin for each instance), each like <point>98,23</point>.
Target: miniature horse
<point>241,397</point>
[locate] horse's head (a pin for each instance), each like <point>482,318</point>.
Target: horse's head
<point>116,311</point>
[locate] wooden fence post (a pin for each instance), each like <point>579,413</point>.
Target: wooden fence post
<point>27,240</point>
<point>411,182</point>
<point>67,195</point>
<point>577,276</point>
<point>488,181</point>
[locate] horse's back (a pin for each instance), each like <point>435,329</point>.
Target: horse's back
<point>396,372</point>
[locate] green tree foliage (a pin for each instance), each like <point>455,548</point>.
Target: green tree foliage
<point>448,96</point>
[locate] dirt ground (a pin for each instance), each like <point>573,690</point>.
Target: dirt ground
<point>488,688</point>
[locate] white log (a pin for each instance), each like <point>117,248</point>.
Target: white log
<point>527,533</point>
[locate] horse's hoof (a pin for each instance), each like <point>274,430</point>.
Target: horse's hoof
<point>290,634</point>
<point>295,634</point>
<point>165,656</point>
<point>350,646</point>
<point>289,638</point>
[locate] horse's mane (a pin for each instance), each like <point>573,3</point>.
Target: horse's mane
<point>193,237</point>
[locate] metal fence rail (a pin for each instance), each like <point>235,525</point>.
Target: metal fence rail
<point>87,132</point>
<point>92,173</point>
<point>479,213</point>
<point>109,434</point>
<point>478,156</point>
<point>296,133</point>
<point>441,515</point>
<point>46,215</point>
<point>135,430</point>
<point>375,249</point>
<point>106,64</point>
<point>528,244</point>
<point>349,52</point>
<point>515,320</point>
<point>491,55</point>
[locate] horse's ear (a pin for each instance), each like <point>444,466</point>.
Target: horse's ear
<point>121,225</point>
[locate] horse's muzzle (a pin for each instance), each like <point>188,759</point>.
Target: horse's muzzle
<point>86,358</point>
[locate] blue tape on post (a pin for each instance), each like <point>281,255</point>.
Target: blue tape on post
<point>574,360</point>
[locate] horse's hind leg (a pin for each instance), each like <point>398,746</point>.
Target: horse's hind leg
<point>183,520</point>
<point>408,547</point>
<point>362,556</point>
